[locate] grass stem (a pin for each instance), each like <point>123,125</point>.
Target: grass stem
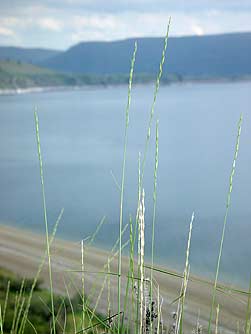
<point>123,180</point>
<point>225,221</point>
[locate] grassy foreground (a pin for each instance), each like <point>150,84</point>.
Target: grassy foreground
<point>21,253</point>
<point>14,295</point>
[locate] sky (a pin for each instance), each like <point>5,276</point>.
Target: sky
<point>59,24</point>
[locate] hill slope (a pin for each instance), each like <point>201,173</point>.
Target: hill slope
<point>226,55</point>
<point>26,55</point>
<point>15,75</point>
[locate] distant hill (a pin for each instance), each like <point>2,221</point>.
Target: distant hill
<point>215,57</point>
<point>227,55</point>
<point>26,55</point>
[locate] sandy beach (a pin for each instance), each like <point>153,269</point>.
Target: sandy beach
<point>21,252</point>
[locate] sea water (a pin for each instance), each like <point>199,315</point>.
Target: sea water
<point>82,139</point>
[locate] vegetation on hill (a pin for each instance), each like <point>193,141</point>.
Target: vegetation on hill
<point>15,75</point>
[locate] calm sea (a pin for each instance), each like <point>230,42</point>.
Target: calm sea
<point>82,135</point>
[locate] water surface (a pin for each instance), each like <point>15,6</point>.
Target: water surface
<point>82,142</point>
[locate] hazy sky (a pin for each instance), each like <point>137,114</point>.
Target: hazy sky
<point>62,23</point>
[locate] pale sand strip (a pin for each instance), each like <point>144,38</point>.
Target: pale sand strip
<point>21,251</point>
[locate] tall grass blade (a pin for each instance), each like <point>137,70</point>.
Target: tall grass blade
<point>101,223</point>
<point>1,320</point>
<point>32,326</point>
<point>17,306</point>
<point>25,316</point>
<point>45,220</point>
<point>15,313</point>
<point>248,314</point>
<point>225,221</point>
<point>6,302</point>
<point>108,291</point>
<point>100,322</point>
<point>220,288</point>
<point>123,178</point>
<point>71,306</point>
<point>20,312</point>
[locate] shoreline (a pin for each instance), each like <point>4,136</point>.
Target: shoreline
<point>21,252</point>
<point>45,89</point>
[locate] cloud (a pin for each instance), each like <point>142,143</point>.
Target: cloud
<point>197,30</point>
<point>140,6</point>
<point>7,32</point>
<point>121,6</point>
<point>95,22</point>
<point>41,24</point>
<point>50,24</point>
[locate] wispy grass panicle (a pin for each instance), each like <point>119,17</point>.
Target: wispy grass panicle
<point>156,90</point>
<point>154,208</point>
<point>141,255</point>
<point>225,221</point>
<point>83,282</point>
<point>180,310</point>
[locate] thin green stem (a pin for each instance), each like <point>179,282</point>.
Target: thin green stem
<point>71,306</point>
<point>123,180</point>
<point>185,280</point>
<point>45,220</point>
<point>24,319</point>
<point>1,320</point>
<point>101,223</point>
<point>130,271</point>
<point>6,301</point>
<point>225,221</point>
<point>248,308</point>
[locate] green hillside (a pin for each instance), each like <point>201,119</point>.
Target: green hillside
<point>19,75</point>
